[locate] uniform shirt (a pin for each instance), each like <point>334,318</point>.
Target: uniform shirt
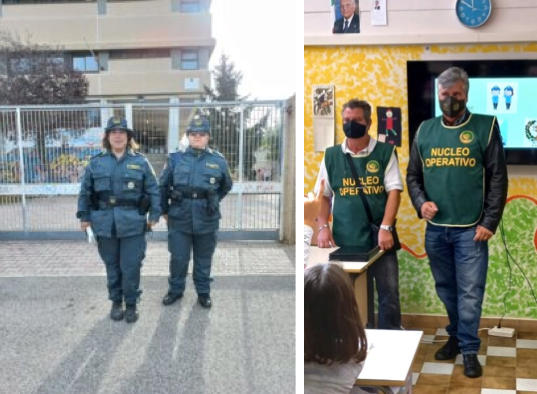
<point>129,178</point>
<point>193,170</point>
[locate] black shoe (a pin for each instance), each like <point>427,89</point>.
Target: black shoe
<point>116,313</point>
<point>449,350</point>
<point>472,368</point>
<point>170,298</point>
<point>205,300</point>
<point>131,313</point>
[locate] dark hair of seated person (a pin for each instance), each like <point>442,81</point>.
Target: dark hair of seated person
<point>333,330</point>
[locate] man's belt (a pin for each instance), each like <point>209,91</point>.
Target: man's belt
<point>113,202</point>
<point>177,194</point>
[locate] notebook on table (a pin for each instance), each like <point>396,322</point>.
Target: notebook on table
<point>353,253</point>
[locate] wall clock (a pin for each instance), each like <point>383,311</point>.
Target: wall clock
<point>473,13</point>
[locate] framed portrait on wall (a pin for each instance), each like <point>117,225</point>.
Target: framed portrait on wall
<point>345,14</point>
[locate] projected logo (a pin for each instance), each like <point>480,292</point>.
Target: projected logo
<point>531,133</point>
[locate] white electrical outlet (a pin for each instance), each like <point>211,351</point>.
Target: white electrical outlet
<point>502,332</point>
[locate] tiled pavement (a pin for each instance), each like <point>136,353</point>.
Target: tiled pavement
<point>78,258</point>
<point>509,366</point>
<point>57,338</point>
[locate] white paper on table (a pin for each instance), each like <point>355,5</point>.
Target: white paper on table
<point>378,13</point>
<point>91,237</point>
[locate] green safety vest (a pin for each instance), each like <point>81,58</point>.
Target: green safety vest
<point>453,172</point>
<point>351,225</point>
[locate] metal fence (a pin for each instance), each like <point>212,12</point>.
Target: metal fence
<point>44,150</point>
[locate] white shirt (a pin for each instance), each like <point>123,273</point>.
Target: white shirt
<point>392,176</point>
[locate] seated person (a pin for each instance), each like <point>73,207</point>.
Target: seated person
<point>335,344</point>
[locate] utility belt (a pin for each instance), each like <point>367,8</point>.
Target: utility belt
<point>113,202</point>
<point>179,194</point>
<point>109,202</point>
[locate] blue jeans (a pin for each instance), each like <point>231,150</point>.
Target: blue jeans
<point>459,266</point>
<point>385,272</point>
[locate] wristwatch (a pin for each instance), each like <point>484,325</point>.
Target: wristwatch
<point>386,227</point>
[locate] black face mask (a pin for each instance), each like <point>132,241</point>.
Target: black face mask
<point>451,107</point>
<point>354,129</point>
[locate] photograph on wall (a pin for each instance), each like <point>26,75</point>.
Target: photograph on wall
<point>323,116</point>
<point>389,125</point>
<point>378,13</point>
<point>323,101</point>
<point>345,15</point>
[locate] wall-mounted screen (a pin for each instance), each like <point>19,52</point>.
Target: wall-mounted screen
<point>506,89</point>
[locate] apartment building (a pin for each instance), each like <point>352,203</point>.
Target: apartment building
<point>130,50</point>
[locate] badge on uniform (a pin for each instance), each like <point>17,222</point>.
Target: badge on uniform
<point>213,166</point>
<point>130,185</point>
<point>212,180</point>
<point>133,167</point>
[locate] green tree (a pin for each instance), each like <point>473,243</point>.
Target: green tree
<point>226,121</point>
<point>33,74</point>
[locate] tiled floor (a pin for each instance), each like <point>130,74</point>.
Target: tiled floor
<point>509,366</point>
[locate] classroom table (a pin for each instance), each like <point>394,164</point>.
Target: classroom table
<point>389,358</point>
<point>358,271</point>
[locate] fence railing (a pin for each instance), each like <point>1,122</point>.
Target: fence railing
<point>44,150</point>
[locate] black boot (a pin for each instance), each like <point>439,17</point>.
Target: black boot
<point>449,350</point>
<point>205,300</point>
<point>472,368</point>
<point>170,298</point>
<point>116,313</point>
<point>131,313</point>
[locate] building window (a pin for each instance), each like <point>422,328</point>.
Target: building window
<point>140,54</point>
<point>189,6</point>
<point>189,60</point>
<point>85,63</point>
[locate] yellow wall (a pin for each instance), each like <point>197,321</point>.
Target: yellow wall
<point>378,74</point>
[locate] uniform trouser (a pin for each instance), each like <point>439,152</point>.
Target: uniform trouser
<point>459,266</point>
<point>123,260</point>
<point>202,245</point>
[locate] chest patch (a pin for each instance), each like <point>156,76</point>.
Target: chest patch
<point>212,165</point>
<point>133,167</point>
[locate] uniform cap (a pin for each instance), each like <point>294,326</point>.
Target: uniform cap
<point>116,122</point>
<point>199,124</point>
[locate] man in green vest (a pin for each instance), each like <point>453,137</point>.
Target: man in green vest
<point>378,169</point>
<point>457,180</point>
